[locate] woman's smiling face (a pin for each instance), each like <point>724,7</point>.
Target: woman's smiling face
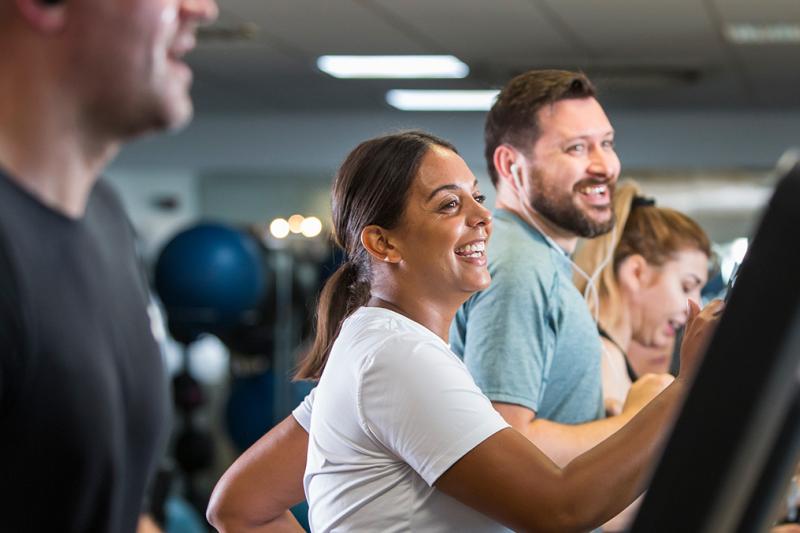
<point>445,227</point>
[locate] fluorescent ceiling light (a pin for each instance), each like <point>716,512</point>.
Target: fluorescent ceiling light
<point>763,34</point>
<point>414,67</point>
<point>416,100</point>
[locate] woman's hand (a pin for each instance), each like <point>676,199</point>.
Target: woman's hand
<point>700,327</point>
<point>644,390</point>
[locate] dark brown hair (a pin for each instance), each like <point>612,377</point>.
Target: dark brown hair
<point>512,119</point>
<point>370,188</point>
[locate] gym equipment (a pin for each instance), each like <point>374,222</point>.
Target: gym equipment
<point>736,442</point>
<point>181,517</point>
<point>194,449</point>
<point>248,412</point>
<point>300,512</point>
<point>186,392</point>
<point>210,278</point>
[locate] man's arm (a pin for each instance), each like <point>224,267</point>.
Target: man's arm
<point>255,493</point>
<point>564,442</point>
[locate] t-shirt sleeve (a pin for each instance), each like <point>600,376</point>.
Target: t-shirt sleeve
<point>509,338</point>
<point>302,413</point>
<point>419,401</point>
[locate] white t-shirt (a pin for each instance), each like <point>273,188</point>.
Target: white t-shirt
<point>395,408</point>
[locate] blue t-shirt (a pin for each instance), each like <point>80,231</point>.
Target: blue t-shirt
<point>529,338</point>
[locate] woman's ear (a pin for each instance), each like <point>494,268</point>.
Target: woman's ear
<point>379,245</point>
<point>634,273</point>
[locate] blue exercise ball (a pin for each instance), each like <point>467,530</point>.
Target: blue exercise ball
<point>248,412</point>
<point>300,512</point>
<point>210,278</point>
<point>181,517</point>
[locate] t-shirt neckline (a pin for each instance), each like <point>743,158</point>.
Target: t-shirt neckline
<point>403,318</point>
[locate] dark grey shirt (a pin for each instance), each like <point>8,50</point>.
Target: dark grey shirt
<point>83,401</point>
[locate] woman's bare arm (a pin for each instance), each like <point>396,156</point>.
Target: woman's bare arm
<point>255,493</point>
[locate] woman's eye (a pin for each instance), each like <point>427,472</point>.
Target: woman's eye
<point>608,143</point>
<point>452,204</point>
<point>480,198</point>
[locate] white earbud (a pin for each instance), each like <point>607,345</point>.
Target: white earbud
<point>515,174</point>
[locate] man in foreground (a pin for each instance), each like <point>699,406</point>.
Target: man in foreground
<point>83,397</point>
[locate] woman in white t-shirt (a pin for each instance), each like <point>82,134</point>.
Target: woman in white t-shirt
<point>401,438</point>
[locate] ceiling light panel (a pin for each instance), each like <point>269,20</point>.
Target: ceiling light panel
<point>421,100</point>
<point>393,66</point>
<point>763,33</point>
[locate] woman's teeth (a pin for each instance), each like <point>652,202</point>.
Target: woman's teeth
<point>472,250</point>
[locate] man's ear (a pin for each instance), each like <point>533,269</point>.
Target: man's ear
<point>634,273</point>
<point>47,16</point>
<point>505,156</point>
<point>378,244</point>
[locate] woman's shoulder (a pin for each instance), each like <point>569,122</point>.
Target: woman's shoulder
<point>385,323</point>
<point>374,335</point>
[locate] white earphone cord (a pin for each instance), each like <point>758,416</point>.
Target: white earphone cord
<point>591,288</point>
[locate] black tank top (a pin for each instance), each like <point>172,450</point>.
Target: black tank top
<point>631,374</point>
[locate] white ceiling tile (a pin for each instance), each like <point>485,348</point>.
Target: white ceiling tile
<point>674,31</point>
<point>325,26</point>
<point>774,73</point>
<point>478,30</point>
<point>625,45</point>
<point>758,11</point>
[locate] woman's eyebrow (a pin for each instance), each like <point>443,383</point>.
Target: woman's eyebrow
<point>448,187</point>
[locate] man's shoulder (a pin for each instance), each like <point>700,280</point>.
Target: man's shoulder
<point>104,193</point>
<point>515,254</point>
<point>105,208</point>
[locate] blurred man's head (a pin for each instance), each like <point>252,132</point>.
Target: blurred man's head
<point>119,63</point>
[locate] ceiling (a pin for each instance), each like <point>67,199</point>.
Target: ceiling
<point>260,56</point>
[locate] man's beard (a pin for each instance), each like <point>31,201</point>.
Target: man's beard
<point>561,211</point>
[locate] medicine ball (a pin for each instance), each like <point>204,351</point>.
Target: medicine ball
<point>210,278</point>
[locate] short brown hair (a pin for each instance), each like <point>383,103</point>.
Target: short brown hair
<point>512,119</point>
